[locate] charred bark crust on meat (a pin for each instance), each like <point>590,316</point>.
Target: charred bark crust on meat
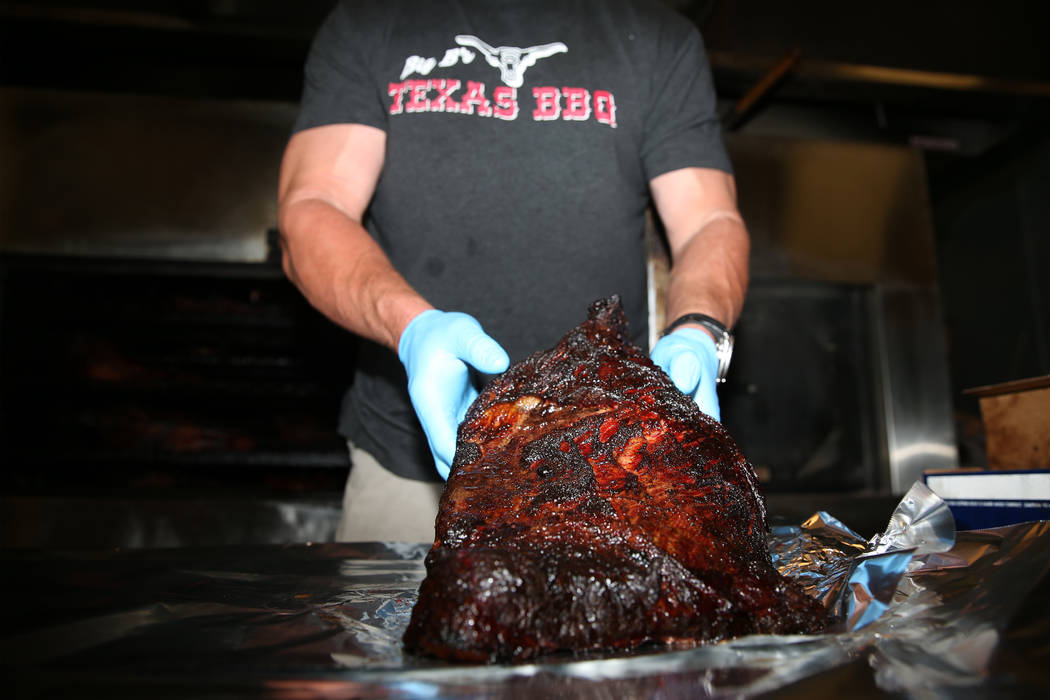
<point>591,505</point>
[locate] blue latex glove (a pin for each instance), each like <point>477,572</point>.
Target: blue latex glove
<point>689,357</point>
<point>435,348</point>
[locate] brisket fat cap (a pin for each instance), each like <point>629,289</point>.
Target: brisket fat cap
<point>590,506</point>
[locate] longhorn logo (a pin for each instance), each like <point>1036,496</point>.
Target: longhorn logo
<point>511,61</point>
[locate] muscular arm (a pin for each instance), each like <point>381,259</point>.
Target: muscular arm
<point>328,176</point>
<point>708,240</point>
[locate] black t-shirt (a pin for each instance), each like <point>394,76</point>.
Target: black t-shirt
<point>521,135</point>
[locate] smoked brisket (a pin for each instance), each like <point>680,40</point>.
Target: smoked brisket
<point>592,506</point>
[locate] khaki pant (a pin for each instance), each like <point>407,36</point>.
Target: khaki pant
<point>379,506</point>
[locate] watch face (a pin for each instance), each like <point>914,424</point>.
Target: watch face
<point>725,354</point>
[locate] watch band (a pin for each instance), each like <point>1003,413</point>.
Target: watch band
<point>723,339</point>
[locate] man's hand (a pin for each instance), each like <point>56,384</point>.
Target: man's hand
<point>709,257</point>
<point>690,359</point>
<point>435,348</point>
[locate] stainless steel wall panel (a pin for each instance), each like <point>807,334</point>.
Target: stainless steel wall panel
<point>915,388</point>
<point>141,177</point>
<point>834,211</point>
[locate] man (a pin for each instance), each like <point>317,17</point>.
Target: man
<point>465,177</point>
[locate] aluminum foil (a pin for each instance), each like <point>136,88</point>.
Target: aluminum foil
<point>954,620</point>
<point>854,578</point>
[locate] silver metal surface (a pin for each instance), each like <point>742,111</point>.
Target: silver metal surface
<point>142,177</point>
<point>916,391</point>
<point>858,213</point>
<point>834,210</point>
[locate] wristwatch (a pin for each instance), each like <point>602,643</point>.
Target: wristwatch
<point>723,339</point>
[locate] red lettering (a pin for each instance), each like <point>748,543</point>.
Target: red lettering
<point>605,108</point>
<point>475,97</point>
<point>577,103</point>
<point>417,95</point>
<point>397,91</point>
<point>548,103</point>
<point>443,102</point>
<point>506,99</point>
<point>440,95</point>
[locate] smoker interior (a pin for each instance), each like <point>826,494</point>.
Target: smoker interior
<point>167,404</point>
<point>198,364</point>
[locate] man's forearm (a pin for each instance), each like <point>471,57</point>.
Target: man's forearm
<point>709,275</point>
<point>343,272</point>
